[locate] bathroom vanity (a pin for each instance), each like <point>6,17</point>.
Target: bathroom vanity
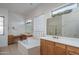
<point>59,46</point>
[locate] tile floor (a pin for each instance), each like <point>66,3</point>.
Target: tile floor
<point>10,50</point>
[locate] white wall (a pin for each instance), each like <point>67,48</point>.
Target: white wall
<point>39,26</point>
<point>17,22</point>
<point>3,38</point>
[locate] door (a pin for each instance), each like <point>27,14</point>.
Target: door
<point>43,47</point>
<point>50,48</point>
<point>47,47</point>
<point>72,50</point>
<point>60,49</point>
<point>71,53</point>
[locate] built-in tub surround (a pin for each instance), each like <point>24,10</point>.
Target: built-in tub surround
<point>64,40</point>
<point>29,46</point>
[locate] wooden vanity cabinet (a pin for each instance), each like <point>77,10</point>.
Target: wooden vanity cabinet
<point>72,50</point>
<point>50,47</point>
<point>54,48</point>
<point>60,49</point>
<point>46,47</point>
<point>43,47</point>
<point>11,39</point>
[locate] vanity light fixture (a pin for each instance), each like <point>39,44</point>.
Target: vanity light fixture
<point>28,21</point>
<point>64,9</point>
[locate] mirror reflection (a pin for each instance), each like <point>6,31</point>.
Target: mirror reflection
<point>28,26</point>
<point>64,21</point>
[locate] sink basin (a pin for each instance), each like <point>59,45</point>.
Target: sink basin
<point>56,37</point>
<point>50,36</point>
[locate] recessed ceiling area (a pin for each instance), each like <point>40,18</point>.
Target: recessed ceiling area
<point>25,9</point>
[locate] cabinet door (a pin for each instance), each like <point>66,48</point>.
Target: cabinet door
<point>60,49</point>
<point>50,47</point>
<point>71,53</point>
<point>72,50</point>
<point>43,47</point>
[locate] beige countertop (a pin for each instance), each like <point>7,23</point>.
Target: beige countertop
<point>63,40</point>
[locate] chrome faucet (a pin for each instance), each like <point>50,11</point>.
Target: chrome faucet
<point>55,30</point>
<point>55,33</point>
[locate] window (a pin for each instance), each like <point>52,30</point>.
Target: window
<point>1,25</point>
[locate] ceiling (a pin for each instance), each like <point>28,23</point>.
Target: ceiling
<point>19,8</point>
<point>22,8</point>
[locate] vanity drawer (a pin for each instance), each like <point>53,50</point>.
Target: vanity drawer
<point>60,45</point>
<point>49,42</point>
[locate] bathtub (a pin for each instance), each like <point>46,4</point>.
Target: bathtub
<point>29,46</point>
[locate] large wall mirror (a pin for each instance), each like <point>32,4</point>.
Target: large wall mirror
<point>64,21</point>
<point>29,26</point>
<point>54,25</point>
